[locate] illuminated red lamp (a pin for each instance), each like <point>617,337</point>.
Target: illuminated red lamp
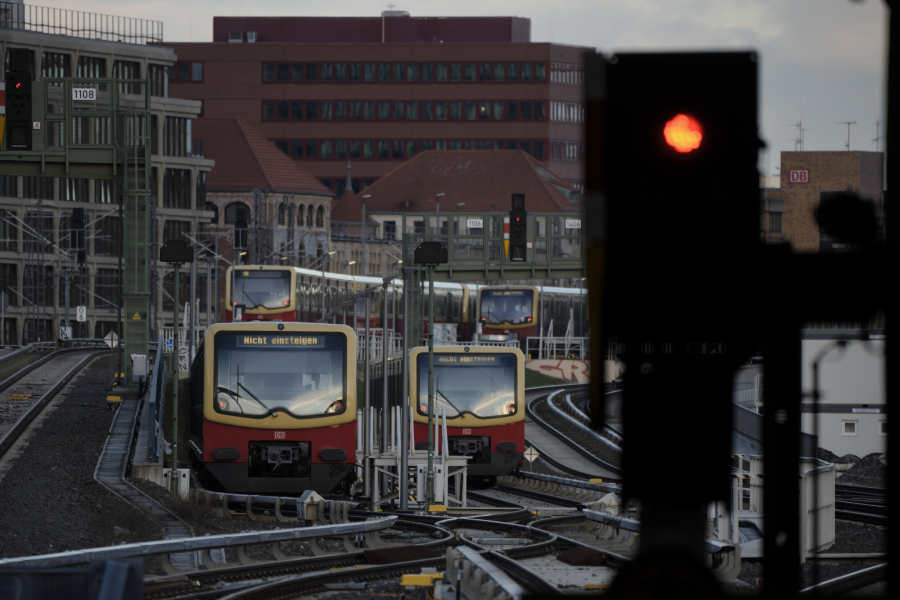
<point>683,133</point>
<point>287,302</point>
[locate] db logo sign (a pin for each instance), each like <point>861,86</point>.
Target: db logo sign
<point>279,435</point>
<point>799,175</point>
<point>467,432</point>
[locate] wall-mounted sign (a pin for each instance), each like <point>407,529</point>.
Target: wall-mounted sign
<point>799,175</point>
<point>573,223</point>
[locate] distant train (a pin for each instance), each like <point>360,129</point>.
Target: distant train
<point>482,390</point>
<point>264,293</point>
<point>273,407</point>
<point>528,310</point>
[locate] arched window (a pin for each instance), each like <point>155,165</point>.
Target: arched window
<point>214,208</point>
<point>301,211</point>
<point>309,216</point>
<point>320,251</point>
<point>301,256</point>
<point>320,217</point>
<point>237,211</point>
<point>282,214</point>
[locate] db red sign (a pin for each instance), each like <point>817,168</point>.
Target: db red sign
<point>799,175</point>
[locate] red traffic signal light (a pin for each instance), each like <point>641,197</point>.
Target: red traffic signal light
<point>683,133</point>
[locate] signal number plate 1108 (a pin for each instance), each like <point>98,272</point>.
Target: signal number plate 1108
<point>89,94</point>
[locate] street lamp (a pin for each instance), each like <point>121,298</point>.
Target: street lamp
<point>347,264</point>
<point>363,232</point>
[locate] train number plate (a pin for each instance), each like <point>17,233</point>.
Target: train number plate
<point>279,435</point>
<point>467,432</point>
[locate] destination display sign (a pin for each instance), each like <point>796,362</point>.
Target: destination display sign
<point>506,292</point>
<point>467,359</point>
<point>270,340</point>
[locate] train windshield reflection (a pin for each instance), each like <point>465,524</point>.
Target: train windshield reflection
<point>262,289</point>
<point>513,307</point>
<point>298,373</point>
<point>483,385</point>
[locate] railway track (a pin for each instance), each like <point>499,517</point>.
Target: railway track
<point>24,394</point>
<point>602,450</point>
<point>861,504</point>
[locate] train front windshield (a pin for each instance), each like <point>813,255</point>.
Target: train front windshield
<point>301,374</point>
<point>483,385</point>
<point>514,307</point>
<point>262,289</point>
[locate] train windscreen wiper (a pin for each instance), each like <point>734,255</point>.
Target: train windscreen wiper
<point>453,406</point>
<point>252,395</point>
<point>490,313</point>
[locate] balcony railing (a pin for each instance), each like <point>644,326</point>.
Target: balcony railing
<point>75,23</point>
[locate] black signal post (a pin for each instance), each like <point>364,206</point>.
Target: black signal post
<point>175,253</point>
<point>18,101</point>
<point>518,238</point>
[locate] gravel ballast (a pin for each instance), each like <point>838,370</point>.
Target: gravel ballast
<point>51,501</point>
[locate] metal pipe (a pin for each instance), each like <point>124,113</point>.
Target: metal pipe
<point>404,402</point>
<point>193,317</point>
<point>429,484</point>
<point>173,474</point>
<point>366,479</point>
<point>385,405</point>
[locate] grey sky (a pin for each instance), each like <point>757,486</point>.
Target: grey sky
<point>821,60</point>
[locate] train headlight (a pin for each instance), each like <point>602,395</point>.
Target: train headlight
<point>223,404</point>
<point>511,409</point>
<point>528,319</point>
<point>335,407</point>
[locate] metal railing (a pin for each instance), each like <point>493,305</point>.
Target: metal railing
<point>76,23</point>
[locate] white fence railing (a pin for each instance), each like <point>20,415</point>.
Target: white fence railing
<point>749,395</point>
<point>817,508</point>
<point>544,348</point>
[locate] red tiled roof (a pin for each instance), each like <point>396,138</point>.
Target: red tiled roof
<point>246,160</point>
<point>347,207</point>
<point>480,178</point>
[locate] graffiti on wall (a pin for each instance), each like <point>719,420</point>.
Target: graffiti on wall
<point>576,371</point>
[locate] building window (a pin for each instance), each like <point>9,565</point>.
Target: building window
<point>9,282</point>
<point>158,80</point>
<point>412,72</point>
<point>384,111</point>
<point>311,72</point>
<point>38,285</point>
<point>236,211</point>
<point>309,209</point>
<point>540,71</point>
<point>38,188</point>
<point>268,72</point>
<point>312,110</point>
<point>106,236</point>
<point>849,428</point>
<point>74,190</point>
<point>355,71</point>
<point>526,72</point>
<point>177,137</point>
<point>390,230</point>
<point>441,72</point>
<point>368,72</point>
<point>470,71</point>
<point>355,110</point>
<point>368,149</point>
<point>384,72</point>
<point>539,111</point>
<point>340,110</point>
<point>397,149</point>
<point>411,149</point>
<point>397,111</point>
<point>369,111</point>
<point>9,233</point>
<point>268,111</point>
<point>311,149</point>
<point>56,64</point>
<point>325,72</point>
<point>340,149</point>
<point>91,66</point>
<point>103,191</point>
<point>427,113</point>
<point>282,145</point>
<point>320,217</point>
<point>775,222</point>
<point>177,188</point>
<point>455,111</point>
<point>325,149</point>
<point>512,72</point>
<point>512,110</point>
<point>325,111</point>
<point>539,149</point>
<point>427,72</point>
<point>340,72</point>
<point>526,110</point>
<point>383,150</point>
<point>456,72</point>
<point>127,69</point>
<point>354,148</point>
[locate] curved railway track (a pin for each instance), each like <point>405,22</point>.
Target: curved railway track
<point>547,412</point>
<point>27,392</point>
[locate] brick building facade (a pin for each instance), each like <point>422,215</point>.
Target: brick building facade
<point>378,91</point>
<point>806,175</point>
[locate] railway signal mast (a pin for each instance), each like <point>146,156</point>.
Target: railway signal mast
<point>430,255</point>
